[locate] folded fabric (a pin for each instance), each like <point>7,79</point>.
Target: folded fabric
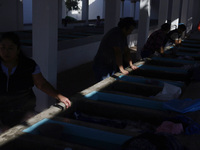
<point>182,106</point>
<point>100,120</point>
<point>190,126</point>
<point>169,92</point>
<point>153,141</point>
<point>170,128</point>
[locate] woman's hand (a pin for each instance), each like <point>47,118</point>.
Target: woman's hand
<point>42,84</point>
<point>134,67</point>
<point>124,71</point>
<point>64,100</point>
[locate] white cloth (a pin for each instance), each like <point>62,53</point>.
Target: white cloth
<point>169,92</point>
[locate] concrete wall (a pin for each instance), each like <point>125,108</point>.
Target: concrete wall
<point>27,9</point>
<point>196,12</point>
<point>154,9</point>
<point>129,10</point>
<point>95,9</point>
<point>73,57</point>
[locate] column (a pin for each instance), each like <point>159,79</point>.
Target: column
<point>60,13</point>
<point>190,16</point>
<point>85,11</point>
<point>45,36</point>
<point>20,21</point>
<point>103,12</point>
<point>143,25</point>
<point>163,12</point>
<point>112,16</point>
<point>175,14</point>
<point>184,12</point>
<point>196,12</point>
<point>133,8</point>
<point>122,8</point>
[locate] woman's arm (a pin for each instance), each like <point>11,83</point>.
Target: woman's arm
<point>129,59</point>
<point>42,84</point>
<point>119,61</point>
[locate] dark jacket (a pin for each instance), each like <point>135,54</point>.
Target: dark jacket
<point>20,80</point>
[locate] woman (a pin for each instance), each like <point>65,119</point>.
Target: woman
<point>113,54</point>
<point>155,42</point>
<point>18,74</point>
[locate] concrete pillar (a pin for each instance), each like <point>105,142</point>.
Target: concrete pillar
<point>133,8</point>
<point>45,36</point>
<point>184,12</point>
<point>143,25</point>
<point>122,8</point>
<point>60,13</point>
<point>163,12</point>
<point>196,12</point>
<point>20,20</point>
<point>27,11</point>
<point>85,11</point>
<point>103,12</point>
<point>64,9</point>
<point>112,16</point>
<point>190,16</point>
<point>175,14</point>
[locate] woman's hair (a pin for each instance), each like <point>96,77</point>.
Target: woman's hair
<point>14,38</point>
<point>165,27</point>
<point>126,22</point>
<point>11,36</point>
<point>182,27</point>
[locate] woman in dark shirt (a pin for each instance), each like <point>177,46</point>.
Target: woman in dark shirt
<point>174,37</point>
<point>113,52</point>
<point>18,74</point>
<point>156,42</point>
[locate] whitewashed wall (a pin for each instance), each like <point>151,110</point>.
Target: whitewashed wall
<point>27,9</point>
<point>73,57</point>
